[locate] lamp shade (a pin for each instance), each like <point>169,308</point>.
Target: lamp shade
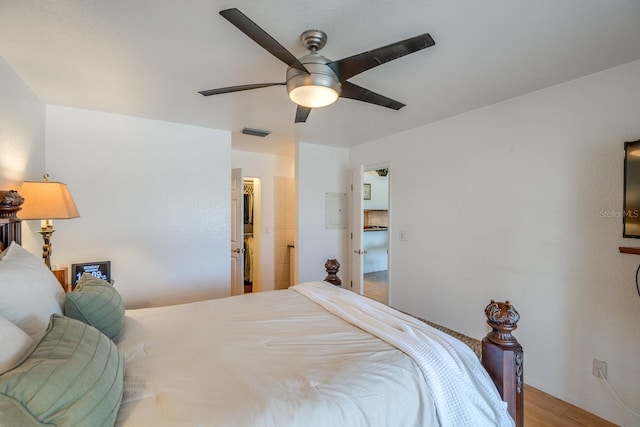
<point>47,200</point>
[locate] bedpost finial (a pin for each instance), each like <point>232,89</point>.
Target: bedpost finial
<point>503,319</point>
<point>332,266</point>
<point>501,313</point>
<point>10,198</point>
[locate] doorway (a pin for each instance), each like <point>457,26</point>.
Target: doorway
<point>251,231</point>
<point>375,233</point>
<point>245,233</point>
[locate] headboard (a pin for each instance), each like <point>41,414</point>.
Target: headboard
<point>10,229</point>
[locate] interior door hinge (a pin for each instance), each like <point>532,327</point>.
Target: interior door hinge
<point>351,187</point>
<point>352,235</point>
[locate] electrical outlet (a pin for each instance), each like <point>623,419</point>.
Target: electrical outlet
<point>403,236</point>
<point>599,367</point>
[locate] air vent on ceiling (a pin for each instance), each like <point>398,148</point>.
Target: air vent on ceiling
<point>256,132</point>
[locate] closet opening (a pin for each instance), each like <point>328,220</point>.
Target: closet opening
<point>251,228</point>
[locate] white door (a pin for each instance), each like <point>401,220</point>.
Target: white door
<point>356,249</point>
<point>237,232</point>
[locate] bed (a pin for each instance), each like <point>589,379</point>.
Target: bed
<point>312,355</point>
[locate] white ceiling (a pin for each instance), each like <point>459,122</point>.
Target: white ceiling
<point>149,58</point>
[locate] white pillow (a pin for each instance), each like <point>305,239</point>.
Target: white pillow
<point>14,344</point>
<point>29,292</point>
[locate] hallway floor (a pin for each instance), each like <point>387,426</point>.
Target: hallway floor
<point>376,286</point>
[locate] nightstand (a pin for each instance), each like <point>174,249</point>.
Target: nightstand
<point>61,275</point>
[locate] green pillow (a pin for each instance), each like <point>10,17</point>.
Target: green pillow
<point>96,303</point>
<point>73,377</point>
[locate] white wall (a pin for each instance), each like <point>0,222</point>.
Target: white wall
<point>506,202</point>
<point>22,140</point>
<point>154,198</point>
<point>320,170</point>
<point>22,122</point>
<point>266,167</point>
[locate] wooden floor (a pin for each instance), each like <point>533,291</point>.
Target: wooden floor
<point>543,410</point>
<point>540,409</point>
<point>376,286</point>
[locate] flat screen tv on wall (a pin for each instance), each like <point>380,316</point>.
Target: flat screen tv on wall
<point>631,217</point>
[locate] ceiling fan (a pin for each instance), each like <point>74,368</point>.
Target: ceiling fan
<point>314,81</point>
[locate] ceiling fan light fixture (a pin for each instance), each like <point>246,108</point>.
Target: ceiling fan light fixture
<point>318,88</point>
<point>313,96</point>
<point>314,81</point>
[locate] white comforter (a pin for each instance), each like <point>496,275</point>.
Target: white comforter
<point>279,359</point>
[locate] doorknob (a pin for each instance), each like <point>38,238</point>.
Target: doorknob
<point>236,250</point>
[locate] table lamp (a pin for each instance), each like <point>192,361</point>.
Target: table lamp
<point>47,201</point>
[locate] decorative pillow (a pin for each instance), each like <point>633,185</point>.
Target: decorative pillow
<point>74,377</point>
<point>29,292</point>
<point>14,344</point>
<point>96,303</point>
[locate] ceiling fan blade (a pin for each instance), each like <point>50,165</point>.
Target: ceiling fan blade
<point>302,113</point>
<point>260,36</point>
<point>348,67</point>
<point>237,88</point>
<point>351,91</point>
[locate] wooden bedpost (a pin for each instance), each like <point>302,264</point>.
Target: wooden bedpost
<point>332,266</point>
<point>10,230</point>
<point>502,357</point>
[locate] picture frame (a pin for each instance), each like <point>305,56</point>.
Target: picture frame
<point>99,269</point>
<point>631,202</point>
<point>366,192</point>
